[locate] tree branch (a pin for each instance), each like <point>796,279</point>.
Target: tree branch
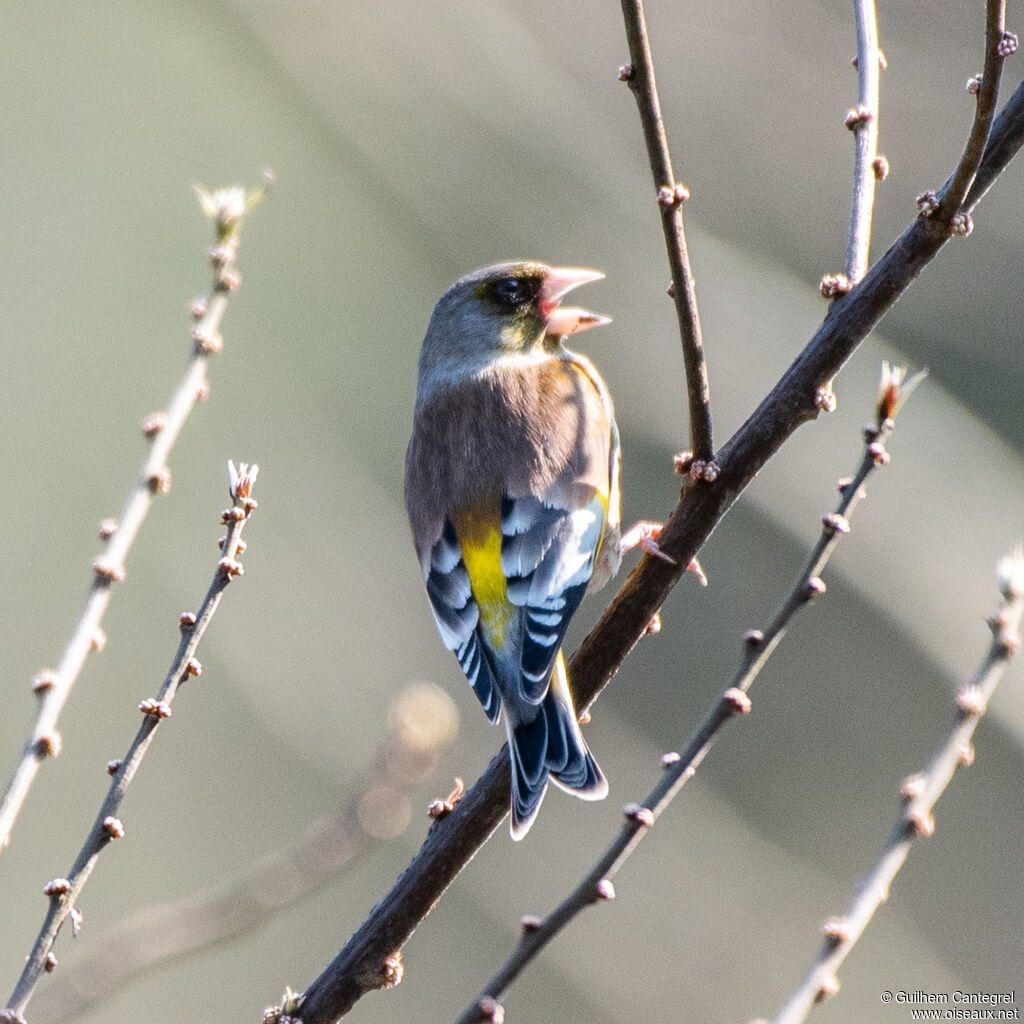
<point>788,405</point>
<point>421,723</point>
<point>999,44</point>
<point>596,887</point>
<point>639,74</point>
<point>919,794</point>
<point>227,209</point>
<point>361,965</point>
<point>64,892</point>
<point>863,122</point>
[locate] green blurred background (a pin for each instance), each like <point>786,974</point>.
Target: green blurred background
<point>413,142</point>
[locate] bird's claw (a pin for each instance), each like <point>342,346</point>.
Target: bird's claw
<point>645,535</point>
<point>694,566</point>
<point>439,809</point>
<point>650,545</point>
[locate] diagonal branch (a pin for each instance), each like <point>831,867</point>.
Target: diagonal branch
<point>640,76</point>
<point>227,209</point>
<point>920,794</point>
<point>64,892</point>
<point>786,407</point>
<point>421,724</point>
<point>597,887</point>
<point>361,965</point>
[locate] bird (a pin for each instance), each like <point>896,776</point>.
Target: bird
<point>512,492</point>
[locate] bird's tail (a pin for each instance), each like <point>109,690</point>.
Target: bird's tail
<point>550,744</point>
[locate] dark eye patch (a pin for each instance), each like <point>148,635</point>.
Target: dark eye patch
<point>514,291</point>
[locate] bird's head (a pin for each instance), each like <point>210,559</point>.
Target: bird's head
<point>509,312</point>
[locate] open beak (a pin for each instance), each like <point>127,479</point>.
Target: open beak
<point>567,320</point>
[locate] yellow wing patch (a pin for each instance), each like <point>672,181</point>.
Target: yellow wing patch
<point>480,541</point>
<point>602,496</point>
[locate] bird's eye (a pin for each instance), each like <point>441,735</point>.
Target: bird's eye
<point>512,291</point>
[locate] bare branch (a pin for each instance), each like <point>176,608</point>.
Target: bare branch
<point>868,168</point>
<point>64,892</point>
<point>863,122</point>
<point>361,965</point>
<point>639,74</point>
<point>999,44</point>
<point>679,768</point>
<point>227,210</point>
<point>786,407</point>
<point>421,723</point>
<point>919,794</point>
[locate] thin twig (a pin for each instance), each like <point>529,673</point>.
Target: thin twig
<point>863,122</point>
<point>868,168</point>
<point>227,209</point>
<point>361,965</point>
<point>639,74</point>
<point>679,768</point>
<point>999,44</point>
<point>919,794</point>
<point>64,892</point>
<point>421,723</point>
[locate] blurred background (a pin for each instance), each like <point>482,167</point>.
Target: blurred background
<point>413,142</point>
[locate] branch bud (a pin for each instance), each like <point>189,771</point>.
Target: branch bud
<point>1007,45</point>
<point>857,117</point>
<point>113,827</point>
<point>736,701</point>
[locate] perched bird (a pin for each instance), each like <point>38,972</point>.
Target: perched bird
<point>512,490</point>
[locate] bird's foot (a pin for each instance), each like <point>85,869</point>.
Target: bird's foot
<point>439,809</point>
<point>644,535</point>
<point>694,566</point>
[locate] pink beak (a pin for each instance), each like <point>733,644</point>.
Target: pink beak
<point>568,320</point>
